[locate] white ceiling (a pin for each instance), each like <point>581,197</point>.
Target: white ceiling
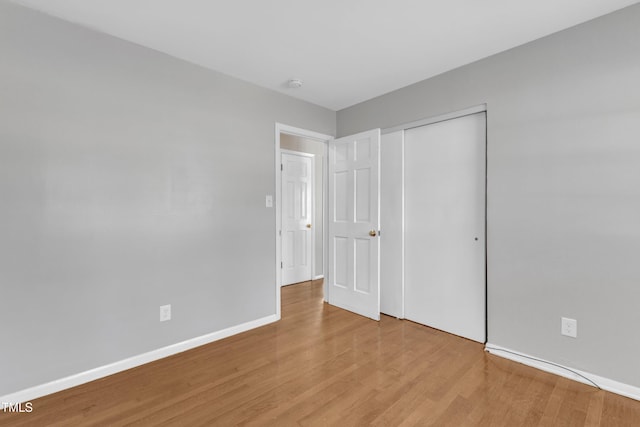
<point>345,51</point>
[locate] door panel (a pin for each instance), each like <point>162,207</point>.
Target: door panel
<point>445,225</point>
<point>340,191</point>
<point>363,265</point>
<point>340,267</point>
<point>297,180</point>
<point>353,273</point>
<point>363,195</point>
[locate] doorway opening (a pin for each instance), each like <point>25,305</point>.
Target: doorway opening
<point>293,144</point>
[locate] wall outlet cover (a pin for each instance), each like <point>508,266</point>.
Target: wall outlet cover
<point>165,312</point>
<point>569,327</point>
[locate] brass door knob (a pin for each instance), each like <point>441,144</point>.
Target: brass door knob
<point>308,225</point>
<point>372,233</point>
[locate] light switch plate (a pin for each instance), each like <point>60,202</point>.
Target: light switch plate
<point>165,312</point>
<point>269,201</point>
<point>569,327</point>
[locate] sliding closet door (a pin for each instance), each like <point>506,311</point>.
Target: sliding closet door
<point>445,225</point>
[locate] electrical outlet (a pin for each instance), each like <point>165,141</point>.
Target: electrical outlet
<point>165,312</point>
<point>569,327</point>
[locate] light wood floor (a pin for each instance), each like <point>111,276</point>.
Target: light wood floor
<point>322,366</point>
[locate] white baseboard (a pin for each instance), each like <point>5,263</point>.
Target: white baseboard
<point>320,276</point>
<point>564,371</point>
<point>131,362</point>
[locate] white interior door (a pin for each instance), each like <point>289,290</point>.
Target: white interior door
<point>297,212</point>
<point>445,225</point>
<point>353,244</point>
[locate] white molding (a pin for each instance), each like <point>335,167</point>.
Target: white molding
<point>296,153</point>
<point>318,277</point>
<point>292,130</point>
<point>607,384</point>
<point>402,263</point>
<point>131,362</point>
<point>325,216</point>
<point>436,119</point>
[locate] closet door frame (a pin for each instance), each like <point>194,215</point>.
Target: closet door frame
<point>398,284</point>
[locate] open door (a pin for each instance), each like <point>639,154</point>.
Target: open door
<point>354,206</point>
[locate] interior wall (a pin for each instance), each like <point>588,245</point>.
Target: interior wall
<point>563,196</point>
<point>128,180</point>
<point>306,145</point>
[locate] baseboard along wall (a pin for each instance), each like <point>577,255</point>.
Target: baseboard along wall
<point>131,362</point>
<point>593,380</point>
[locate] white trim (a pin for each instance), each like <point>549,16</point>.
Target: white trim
<point>295,153</point>
<point>313,215</point>
<point>440,118</point>
<point>402,297</point>
<point>318,277</point>
<point>131,362</point>
<point>608,384</point>
<point>325,213</point>
<point>290,130</point>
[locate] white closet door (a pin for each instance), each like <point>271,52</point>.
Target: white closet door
<point>445,225</point>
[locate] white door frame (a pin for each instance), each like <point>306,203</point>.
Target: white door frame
<point>320,137</point>
<point>312,192</point>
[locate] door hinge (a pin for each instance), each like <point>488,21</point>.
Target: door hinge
<point>279,232</point>
<point>281,266</point>
<point>281,167</point>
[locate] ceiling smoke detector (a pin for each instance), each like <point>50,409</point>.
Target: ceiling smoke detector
<point>294,83</point>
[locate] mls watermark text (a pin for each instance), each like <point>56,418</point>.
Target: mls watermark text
<point>25,407</point>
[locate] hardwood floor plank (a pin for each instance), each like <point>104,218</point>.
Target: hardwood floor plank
<point>323,366</point>
<point>594,411</point>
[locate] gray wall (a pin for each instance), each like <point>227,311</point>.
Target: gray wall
<point>128,180</point>
<point>563,187</point>
<point>304,145</point>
